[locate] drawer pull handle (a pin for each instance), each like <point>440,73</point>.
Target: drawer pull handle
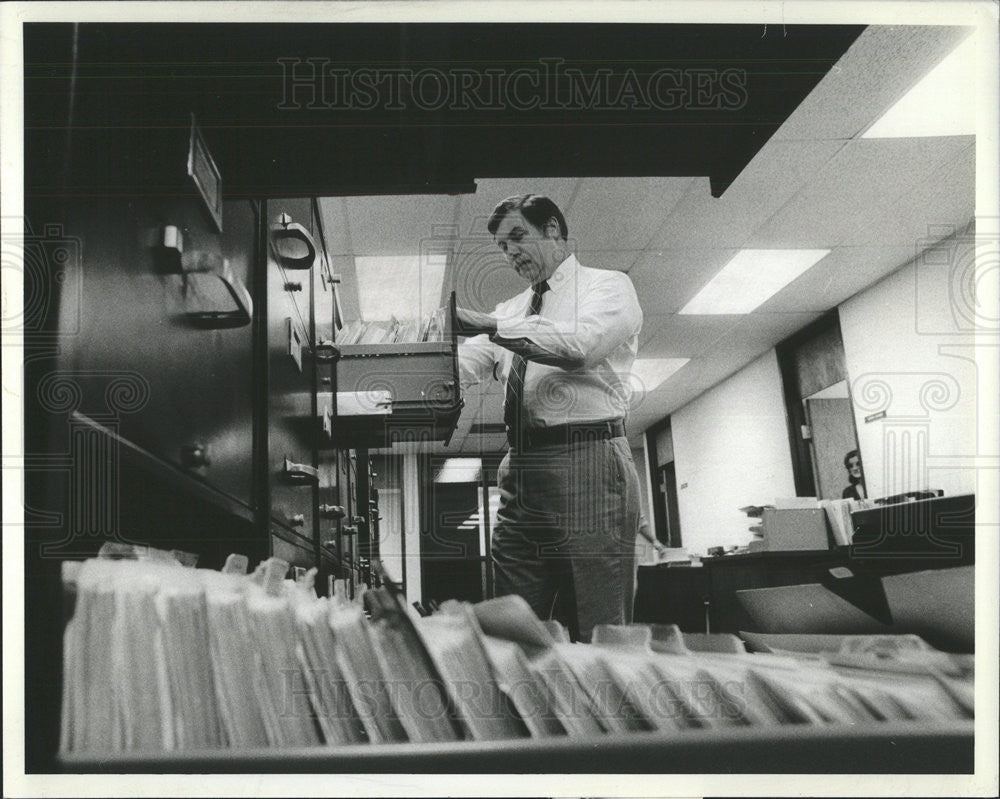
<point>177,261</point>
<point>194,456</point>
<point>288,231</point>
<point>300,473</point>
<point>326,352</point>
<point>332,511</point>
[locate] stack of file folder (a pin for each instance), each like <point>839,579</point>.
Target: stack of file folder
<point>162,658</point>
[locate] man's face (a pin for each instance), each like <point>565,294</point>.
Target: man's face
<point>854,467</point>
<point>529,250</point>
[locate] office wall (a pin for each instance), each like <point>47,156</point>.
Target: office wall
<point>909,348</point>
<point>731,450</point>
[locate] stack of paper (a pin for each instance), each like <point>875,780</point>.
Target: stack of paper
<point>838,514</point>
<point>279,686</point>
<point>89,720</point>
<point>234,660</point>
<point>455,644</point>
<point>164,658</point>
<point>418,692</point>
<point>431,327</point>
<point>356,658</point>
<point>511,618</point>
<point>184,624</point>
<point>139,662</point>
<point>317,652</point>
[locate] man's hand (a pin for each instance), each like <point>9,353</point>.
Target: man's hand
<point>472,323</point>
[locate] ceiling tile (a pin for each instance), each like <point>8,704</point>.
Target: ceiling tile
<point>880,67</point>
<point>764,327</point>
<point>618,260</point>
<point>666,279</point>
<point>839,276</point>
<point>621,213</point>
<point>765,184</point>
<point>676,336</point>
<point>399,225</point>
<point>866,180</point>
<point>945,198</point>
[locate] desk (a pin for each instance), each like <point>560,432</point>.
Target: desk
<point>731,573</point>
<point>672,595</point>
<point>679,594</point>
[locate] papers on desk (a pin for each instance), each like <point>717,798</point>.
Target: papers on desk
<point>838,514</point>
<point>159,658</point>
<point>672,555</point>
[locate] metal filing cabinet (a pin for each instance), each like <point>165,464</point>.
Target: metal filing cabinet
<point>162,350</point>
<point>293,263</point>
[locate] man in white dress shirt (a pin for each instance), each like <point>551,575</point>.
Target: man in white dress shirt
<point>564,537</point>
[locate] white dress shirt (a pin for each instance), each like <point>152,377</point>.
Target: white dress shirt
<point>580,347</point>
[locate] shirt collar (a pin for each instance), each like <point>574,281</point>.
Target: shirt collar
<point>564,275</point>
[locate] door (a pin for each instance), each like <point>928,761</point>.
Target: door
<point>833,438</point>
<point>820,416</point>
<point>668,495</point>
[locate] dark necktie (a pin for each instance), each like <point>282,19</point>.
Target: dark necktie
<point>513,407</point>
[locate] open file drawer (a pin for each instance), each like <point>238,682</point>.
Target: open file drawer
<point>388,393</point>
<point>888,748</point>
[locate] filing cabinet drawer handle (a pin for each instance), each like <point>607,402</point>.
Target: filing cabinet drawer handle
<point>326,352</point>
<point>332,511</point>
<point>196,456</point>
<point>244,305</point>
<point>287,230</point>
<point>207,262</point>
<point>300,473</point>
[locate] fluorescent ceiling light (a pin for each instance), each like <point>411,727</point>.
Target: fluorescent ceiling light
<point>404,286</point>
<point>750,278</point>
<point>943,103</point>
<point>648,373</point>
<point>459,470</point>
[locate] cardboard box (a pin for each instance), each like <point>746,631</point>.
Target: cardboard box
<point>794,528</point>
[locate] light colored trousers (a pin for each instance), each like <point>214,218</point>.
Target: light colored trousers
<point>564,537</point>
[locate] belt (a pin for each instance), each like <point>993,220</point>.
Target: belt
<point>564,434</point>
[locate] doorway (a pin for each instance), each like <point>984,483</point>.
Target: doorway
<point>821,426</point>
<point>461,501</point>
<point>668,496</point>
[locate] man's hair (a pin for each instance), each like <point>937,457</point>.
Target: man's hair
<point>852,454</point>
<point>536,208</point>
